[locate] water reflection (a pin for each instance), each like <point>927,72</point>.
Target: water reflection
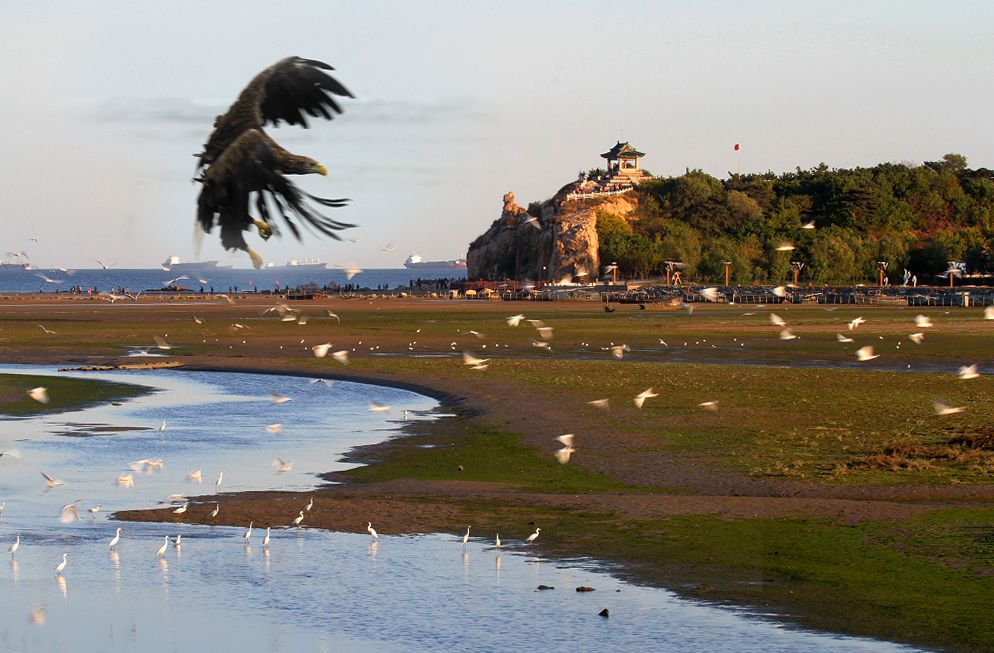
<point>61,582</point>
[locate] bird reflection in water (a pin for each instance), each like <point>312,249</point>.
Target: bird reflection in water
<point>37,616</point>
<point>61,582</point>
<point>115,561</point>
<point>15,571</point>
<point>373,546</point>
<point>164,569</point>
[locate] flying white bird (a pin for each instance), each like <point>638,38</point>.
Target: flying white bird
<point>779,291</point>
<point>916,338</point>
<point>470,359</point>
<point>968,372</point>
<point>69,512</point>
<point>710,294</point>
<point>943,409</point>
<point>161,343</point>
<point>320,351</point>
<point>197,320</point>
<point>866,354</point>
<point>351,270</point>
<point>642,396</point>
<point>709,405</point>
<point>602,404</point>
<point>371,530</point>
<point>514,320</point>
<point>48,331</point>
<point>855,322</point>
<point>275,429</point>
<point>277,398</point>
<point>48,280</point>
<point>566,439</point>
<point>342,356</point>
<point>282,465</point>
<point>195,475</point>
<point>618,351</point>
<point>922,322</point>
<point>563,455</point>
<point>776,320</point>
<point>534,536</point>
<point>785,247</point>
<point>787,334</point>
<point>842,338</point>
<point>39,394</point>
<point>808,225</point>
<point>51,482</point>
<point>989,312</point>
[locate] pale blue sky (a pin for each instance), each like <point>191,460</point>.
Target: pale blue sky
<point>104,104</point>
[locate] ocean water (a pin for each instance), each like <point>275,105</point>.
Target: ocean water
<point>309,590</point>
<point>26,281</point>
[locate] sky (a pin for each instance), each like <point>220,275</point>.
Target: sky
<point>105,104</point>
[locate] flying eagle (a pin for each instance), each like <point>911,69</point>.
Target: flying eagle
<point>240,159</point>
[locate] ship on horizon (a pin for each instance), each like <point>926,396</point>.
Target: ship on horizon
<point>173,264</point>
<point>415,262</point>
<point>299,264</point>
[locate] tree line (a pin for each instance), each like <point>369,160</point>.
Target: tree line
<point>914,217</point>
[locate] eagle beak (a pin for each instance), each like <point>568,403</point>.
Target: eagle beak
<point>321,170</point>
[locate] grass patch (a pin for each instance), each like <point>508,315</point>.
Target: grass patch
<point>458,450</point>
<point>64,393</point>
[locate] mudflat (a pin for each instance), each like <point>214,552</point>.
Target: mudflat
<point>780,473</point>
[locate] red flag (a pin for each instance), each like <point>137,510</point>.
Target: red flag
<point>737,147</point>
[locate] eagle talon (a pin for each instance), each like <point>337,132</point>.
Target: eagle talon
<point>265,231</point>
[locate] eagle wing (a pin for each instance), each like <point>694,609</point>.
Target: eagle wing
<point>285,91</point>
<point>248,166</point>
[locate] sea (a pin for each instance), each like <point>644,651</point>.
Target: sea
<point>221,280</point>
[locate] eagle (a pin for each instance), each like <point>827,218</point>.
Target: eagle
<point>242,166</point>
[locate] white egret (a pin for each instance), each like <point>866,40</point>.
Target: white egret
<point>114,540</point>
<point>161,343</point>
<point>342,356</point>
<point>12,549</point>
<point>842,338</point>
<point>465,538</point>
<point>181,509</point>
<point>470,359</point>
<point>282,465</point>
<point>533,536</point>
<point>277,398</point>
<point>371,530</point>
<point>710,294</point>
<point>916,338</point>
<point>275,429</point>
<point>161,551</point>
<point>514,320</point>
<point>62,565</point>
<point>378,408</point>
<point>855,322</point>
<point>787,334</point>
<point>178,542</point>
<point>265,540</point>
<point>248,534</point>
<point>708,405</point>
<point>126,480</point>
<point>943,409</point>
<point>601,404</point>
<point>566,439</point>
<point>299,518</point>
<point>320,351</point>
<point>310,504</point>
<point>48,331</point>
<point>217,509</point>
<point>922,322</point>
<point>195,475</point>
<point>497,542</point>
<point>776,320</point>
<point>779,291</point>
<point>217,483</point>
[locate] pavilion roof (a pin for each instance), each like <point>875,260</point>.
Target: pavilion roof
<point>622,151</point>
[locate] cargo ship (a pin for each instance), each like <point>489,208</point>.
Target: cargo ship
<point>173,264</point>
<point>415,262</point>
<point>300,264</point>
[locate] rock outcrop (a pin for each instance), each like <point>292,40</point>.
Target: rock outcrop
<point>555,240</point>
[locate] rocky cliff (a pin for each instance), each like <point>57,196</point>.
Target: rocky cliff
<point>555,240</point>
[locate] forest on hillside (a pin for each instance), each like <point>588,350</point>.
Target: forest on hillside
<point>914,217</point>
